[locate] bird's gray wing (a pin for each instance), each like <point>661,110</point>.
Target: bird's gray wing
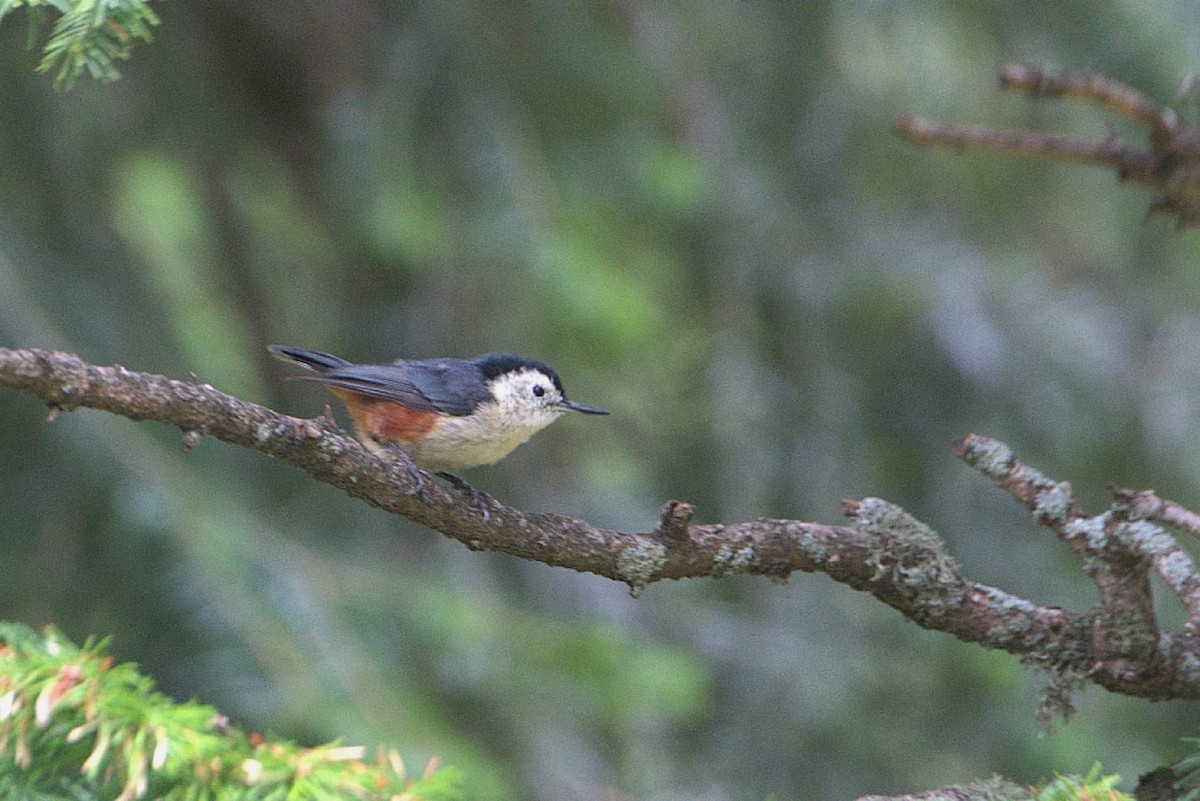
<point>436,385</point>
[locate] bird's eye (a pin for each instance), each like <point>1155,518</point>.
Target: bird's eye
<point>539,390</point>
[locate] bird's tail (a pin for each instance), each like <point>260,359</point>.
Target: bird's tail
<point>313,360</point>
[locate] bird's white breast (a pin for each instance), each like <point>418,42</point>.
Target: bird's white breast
<point>492,432</point>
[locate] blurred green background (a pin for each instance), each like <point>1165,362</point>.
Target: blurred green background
<point>698,215</point>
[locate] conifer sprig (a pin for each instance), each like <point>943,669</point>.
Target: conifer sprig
<point>89,35</point>
<point>74,724</point>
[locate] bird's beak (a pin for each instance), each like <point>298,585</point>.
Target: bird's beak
<point>579,407</point>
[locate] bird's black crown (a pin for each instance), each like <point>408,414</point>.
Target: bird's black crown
<point>498,364</point>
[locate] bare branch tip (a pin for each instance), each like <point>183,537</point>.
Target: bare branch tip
<point>1124,496</point>
<point>974,449</point>
<point>1022,77</point>
<point>903,124</point>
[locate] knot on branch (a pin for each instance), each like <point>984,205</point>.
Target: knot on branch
<point>676,517</point>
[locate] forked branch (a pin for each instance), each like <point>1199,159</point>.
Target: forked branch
<point>884,551</point>
<point>1168,165</point>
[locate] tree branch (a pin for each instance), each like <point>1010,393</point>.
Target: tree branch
<point>1169,166</point>
<point>885,551</point>
<point>1147,504</point>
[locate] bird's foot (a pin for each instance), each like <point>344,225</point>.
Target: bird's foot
<point>414,472</point>
<point>478,499</point>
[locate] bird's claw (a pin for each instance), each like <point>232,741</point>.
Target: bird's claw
<point>478,499</point>
<point>414,472</point>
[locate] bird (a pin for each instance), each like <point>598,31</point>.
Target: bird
<point>442,414</point>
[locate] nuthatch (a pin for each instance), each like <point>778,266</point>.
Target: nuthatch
<point>443,414</point>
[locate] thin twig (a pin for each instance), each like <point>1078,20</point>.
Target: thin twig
<point>1111,152</point>
<point>1089,87</point>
